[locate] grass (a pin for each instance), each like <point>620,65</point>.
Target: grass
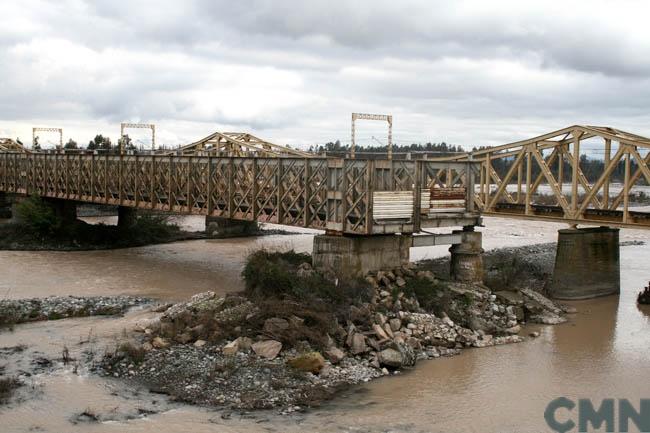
<point>132,352</point>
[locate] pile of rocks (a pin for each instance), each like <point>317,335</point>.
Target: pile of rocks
<point>227,351</point>
<point>244,379</point>
<point>13,311</point>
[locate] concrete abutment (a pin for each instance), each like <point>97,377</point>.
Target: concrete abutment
<point>357,255</point>
<point>219,227</point>
<point>587,264</point>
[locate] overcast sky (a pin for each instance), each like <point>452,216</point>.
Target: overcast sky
<point>469,73</point>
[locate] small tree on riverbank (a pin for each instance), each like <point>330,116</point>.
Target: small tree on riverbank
<point>37,215</point>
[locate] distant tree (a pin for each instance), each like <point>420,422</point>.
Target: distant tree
<point>71,144</point>
<point>126,142</point>
<point>36,145</point>
<point>100,142</point>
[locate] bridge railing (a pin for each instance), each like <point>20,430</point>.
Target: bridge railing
<point>323,193</point>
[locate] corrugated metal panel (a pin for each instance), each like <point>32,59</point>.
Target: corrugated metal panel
<point>389,205</point>
<point>425,198</point>
<point>447,200</point>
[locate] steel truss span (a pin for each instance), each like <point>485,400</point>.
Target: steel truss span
<point>324,193</point>
<point>554,160</point>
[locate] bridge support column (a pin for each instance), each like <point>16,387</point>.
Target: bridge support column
<point>587,264</point>
<point>358,255</point>
<point>126,216</point>
<point>219,227</point>
<point>65,210</point>
<point>5,206</point>
<point>467,257</point>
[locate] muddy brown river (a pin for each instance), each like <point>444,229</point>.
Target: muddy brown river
<point>603,351</point>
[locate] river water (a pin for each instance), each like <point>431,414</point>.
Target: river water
<point>602,352</point>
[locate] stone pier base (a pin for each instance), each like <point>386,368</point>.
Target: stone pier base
<point>358,255</point>
<point>5,206</point>
<point>587,264</point>
<point>66,210</point>
<point>126,216</point>
<point>218,227</point>
<point>467,257</point>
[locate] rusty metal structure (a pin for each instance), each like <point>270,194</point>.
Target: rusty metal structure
<point>241,177</point>
<point>237,144</point>
<point>573,198</point>
<point>10,145</point>
<point>341,195</point>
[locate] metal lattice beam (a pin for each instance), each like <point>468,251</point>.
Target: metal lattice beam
<point>583,201</point>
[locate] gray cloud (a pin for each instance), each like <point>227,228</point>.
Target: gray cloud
<point>466,72</point>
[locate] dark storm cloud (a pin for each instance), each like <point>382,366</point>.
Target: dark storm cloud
<point>294,70</point>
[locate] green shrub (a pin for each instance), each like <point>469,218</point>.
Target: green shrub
<point>432,296</point>
<point>36,214</point>
<point>274,274</point>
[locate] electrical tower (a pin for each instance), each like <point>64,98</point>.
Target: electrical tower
<point>59,130</point>
<point>385,117</point>
<point>151,126</point>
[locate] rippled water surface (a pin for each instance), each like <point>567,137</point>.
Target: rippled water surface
<point>602,352</point>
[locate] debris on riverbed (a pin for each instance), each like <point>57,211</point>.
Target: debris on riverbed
<point>297,336</point>
<point>8,386</point>
<point>644,295</point>
<point>14,311</point>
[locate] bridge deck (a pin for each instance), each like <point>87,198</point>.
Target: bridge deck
<point>349,196</point>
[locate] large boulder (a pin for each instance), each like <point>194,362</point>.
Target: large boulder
<point>160,343</point>
<point>509,297</point>
<point>267,349</point>
<point>335,355</point>
<point>398,355</point>
<point>408,354</point>
<point>390,358</point>
<point>231,348</point>
<point>275,326</point>
<point>358,344</point>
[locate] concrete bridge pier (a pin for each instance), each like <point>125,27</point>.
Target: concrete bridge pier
<point>5,206</point>
<point>126,216</point>
<point>65,210</point>
<point>357,255</point>
<point>219,227</point>
<point>466,262</point>
<point>587,264</point>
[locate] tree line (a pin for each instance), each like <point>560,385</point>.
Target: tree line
<point>592,168</point>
